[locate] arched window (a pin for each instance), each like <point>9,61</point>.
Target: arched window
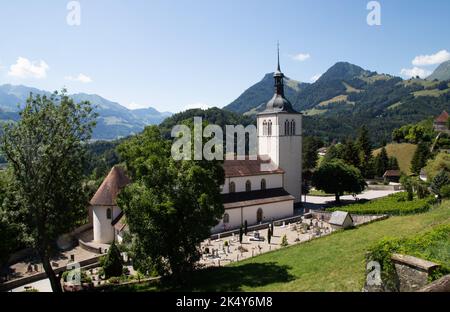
<point>264,127</point>
<point>259,215</point>
<point>292,127</point>
<point>263,184</point>
<point>269,132</point>
<point>286,127</point>
<point>248,186</point>
<point>226,218</point>
<point>232,187</point>
<point>109,214</point>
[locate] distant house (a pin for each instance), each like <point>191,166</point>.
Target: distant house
<point>392,175</point>
<point>322,151</point>
<point>441,123</point>
<point>341,220</point>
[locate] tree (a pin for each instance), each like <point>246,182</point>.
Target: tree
<point>334,152</point>
<point>245,227</point>
<point>381,163</point>
<point>171,206</point>
<point>112,264</point>
<point>420,158</point>
<point>436,165</point>
<point>45,150</point>
<point>407,184</point>
<point>310,156</point>
<point>336,177</point>
<point>365,147</point>
<point>393,163</point>
<point>350,153</point>
<point>439,181</point>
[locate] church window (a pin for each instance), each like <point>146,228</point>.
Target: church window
<point>109,214</point>
<point>259,215</point>
<point>292,127</point>
<point>226,218</point>
<point>232,187</point>
<point>263,184</point>
<point>265,127</point>
<point>248,186</point>
<point>286,127</point>
<point>269,132</point>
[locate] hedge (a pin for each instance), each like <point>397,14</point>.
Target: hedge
<point>394,204</point>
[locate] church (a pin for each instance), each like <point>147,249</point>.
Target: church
<point>255,191</point>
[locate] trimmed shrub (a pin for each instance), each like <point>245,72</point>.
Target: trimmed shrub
<point>112,266</point>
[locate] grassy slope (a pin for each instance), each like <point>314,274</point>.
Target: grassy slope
<point>332,263</point>
<point>404,153</point>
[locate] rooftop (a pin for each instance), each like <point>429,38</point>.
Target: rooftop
<point>443,117</point>
<point>108,191</point>
<point>236,200</point>
<point>248,167</point>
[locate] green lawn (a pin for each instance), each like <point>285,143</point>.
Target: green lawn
<point>332,263</point>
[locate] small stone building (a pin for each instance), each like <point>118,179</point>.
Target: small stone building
<point>341,220</point>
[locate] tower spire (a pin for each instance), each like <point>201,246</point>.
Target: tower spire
<point>278,52</point>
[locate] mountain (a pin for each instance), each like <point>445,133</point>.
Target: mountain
<point>254,98</point>
<point>347,96</point>
<point>114,120</point>
<point>442,72</point>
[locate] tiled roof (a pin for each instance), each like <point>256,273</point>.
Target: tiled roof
<point>392,173</point>
<point>106,194</point>
<point>338,218</point>
<point>247,167</point>
<point>443,117</point>
<point>235,200</point>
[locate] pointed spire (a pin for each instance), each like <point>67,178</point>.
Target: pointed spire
<point>278,51</point>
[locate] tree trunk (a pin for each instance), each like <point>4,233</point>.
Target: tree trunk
<point>54,280</point>
<point>338,198</point>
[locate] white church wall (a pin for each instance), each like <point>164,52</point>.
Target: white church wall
<point>103,230</point>
<point>272,181</point>
<point>237,216</point>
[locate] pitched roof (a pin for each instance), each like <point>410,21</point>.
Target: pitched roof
<point>106,194</point>
<point>234,200</point>
<point>247,167</point>
<point>338,217</point>
<point>443,117</point>
<point>392,173</point>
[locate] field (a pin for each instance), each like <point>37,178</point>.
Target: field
<point>331,263</point>
<point>404,153</point>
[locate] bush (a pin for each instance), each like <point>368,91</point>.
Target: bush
<point>445,191</point>
<point>395,204</point>
<point>284,241</point>
<point>112,265</point>
<point>432,246</point>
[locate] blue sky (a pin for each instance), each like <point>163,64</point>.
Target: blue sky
<point>172,55</point>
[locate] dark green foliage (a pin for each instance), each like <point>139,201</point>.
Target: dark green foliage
<point>245,227</point>
<point>420,158</point>
<point>395,204</point>
<point>408,186</point>
<point>351,154</point>
<point>336,177</point>
<point>284,241</point>
<point>393,163</point>
<point>113,264</point>
<point>310,156</point>
<point>381,163</point>
<point>171,205</point>
<point>440,180</point>
<point>432,246</point>
<point>46,153</point>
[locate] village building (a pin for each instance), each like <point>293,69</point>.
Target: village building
<point>255,190</point>
<point>392,176</point>
<point>341,220</point>
<point>441,123</point>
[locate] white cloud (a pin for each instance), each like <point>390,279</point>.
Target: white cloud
<point>301,57</point>
<point>315,77</point>
<point>24,68</point>
<point>80,78</point>
<point>134,105</point>
<point>433,59</point>
<point>415,71</point>
<point>197,105</point>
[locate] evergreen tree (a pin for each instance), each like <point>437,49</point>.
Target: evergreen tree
<point>365,146</point>
<point>381,163</point>
<point>112,265</point>
<point>420,158</point>
<point>393,163</point>
<point>350,153</point>
<point>440,180</point>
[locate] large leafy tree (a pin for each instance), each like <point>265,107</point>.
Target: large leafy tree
<point>46,153</point>
<point>170,206</point>
<point>337,177</point>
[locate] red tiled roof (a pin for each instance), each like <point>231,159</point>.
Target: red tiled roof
<point>106,194</point>
<point>443,117</point>
<point>247,167</point>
